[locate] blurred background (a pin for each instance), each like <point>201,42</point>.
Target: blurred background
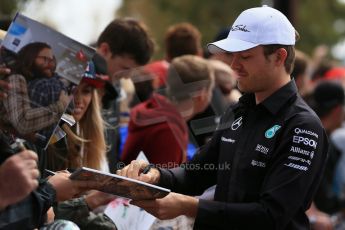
<point>319,22</point>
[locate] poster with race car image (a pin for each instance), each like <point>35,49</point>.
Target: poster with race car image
<point>45,67</point>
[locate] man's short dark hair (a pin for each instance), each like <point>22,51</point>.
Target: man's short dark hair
<point>326,96</point>
<point>290,58</point>
<point>128,37</point>
<point>182,39</point>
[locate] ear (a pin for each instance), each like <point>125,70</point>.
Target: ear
<point>104,50</point>
<point>281,55</point>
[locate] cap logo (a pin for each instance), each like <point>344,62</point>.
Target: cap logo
<point>239,27</point>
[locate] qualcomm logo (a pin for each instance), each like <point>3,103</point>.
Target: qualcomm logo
<point>237,123</point>
<point>272,131</point>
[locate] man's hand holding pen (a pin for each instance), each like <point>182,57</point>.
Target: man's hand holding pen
<point>141,170</point>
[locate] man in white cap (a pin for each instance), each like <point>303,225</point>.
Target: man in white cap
<point>267,155</point>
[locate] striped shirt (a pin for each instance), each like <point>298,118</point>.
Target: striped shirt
<point>16,110</point>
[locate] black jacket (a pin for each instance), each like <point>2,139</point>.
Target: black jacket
<point>30,212</point>
<point>267,161</point>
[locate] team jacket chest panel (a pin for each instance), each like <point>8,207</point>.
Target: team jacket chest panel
<point>248,150</point>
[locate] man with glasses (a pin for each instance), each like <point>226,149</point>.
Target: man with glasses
<point>24,112</point>
<point>44,85</point>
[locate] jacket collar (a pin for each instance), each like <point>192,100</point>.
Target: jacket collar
<point>274,102</point>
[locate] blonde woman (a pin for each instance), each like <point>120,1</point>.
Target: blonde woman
<point>86,147</point>
<point>89,149</point>
<point>85,142</point>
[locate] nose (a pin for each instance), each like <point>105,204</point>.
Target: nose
<point>76,96</point>
<point>76,102</point>
<point>51,64</point>
<point>235,62</point>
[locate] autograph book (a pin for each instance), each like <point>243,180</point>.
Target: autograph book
<point>119,185</point>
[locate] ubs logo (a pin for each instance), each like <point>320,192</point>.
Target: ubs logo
<point>237,123</point>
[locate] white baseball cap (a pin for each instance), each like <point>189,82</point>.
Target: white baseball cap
<point>256,26</point>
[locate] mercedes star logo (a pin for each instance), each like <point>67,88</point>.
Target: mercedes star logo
<point>237,123</point>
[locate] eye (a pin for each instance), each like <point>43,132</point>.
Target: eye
<point>87,90</point>
<point>245,57</point>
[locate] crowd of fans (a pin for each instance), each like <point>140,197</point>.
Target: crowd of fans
<point>127,103</point>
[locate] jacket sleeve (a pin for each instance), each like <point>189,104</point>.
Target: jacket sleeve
<point>193,177</point>
<point>287,189</point>
<point>77,211</point>
<point>29,213</point>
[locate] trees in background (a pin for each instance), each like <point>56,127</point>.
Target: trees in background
<point>208,16</point>
<point>7,10</point>
<point>317,21</point>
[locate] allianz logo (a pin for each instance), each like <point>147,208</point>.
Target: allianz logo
<point>228,140</point>
<point>295,149</point>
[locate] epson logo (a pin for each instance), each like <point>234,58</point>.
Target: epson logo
<point>304,140</point>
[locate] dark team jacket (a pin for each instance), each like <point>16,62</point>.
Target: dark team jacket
<point>267,161</point>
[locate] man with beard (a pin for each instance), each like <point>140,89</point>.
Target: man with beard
<point>20,118</point>
<point>39,64</point>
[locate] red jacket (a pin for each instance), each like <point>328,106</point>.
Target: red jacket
<point>159,130</point>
